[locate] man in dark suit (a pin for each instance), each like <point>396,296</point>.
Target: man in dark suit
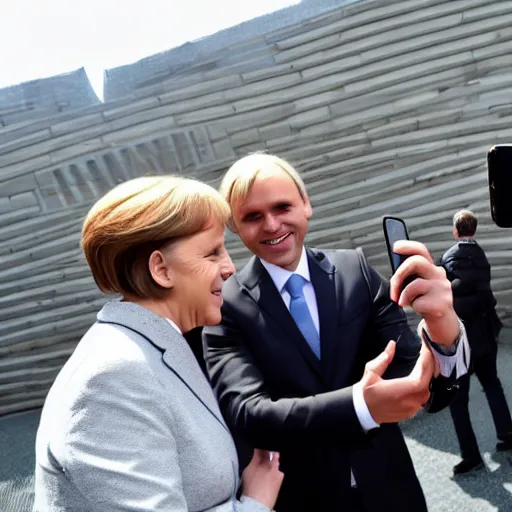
<point>470,273</point>
<point>298,360</point>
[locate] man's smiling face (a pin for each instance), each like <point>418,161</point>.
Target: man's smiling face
<point>273,219</point>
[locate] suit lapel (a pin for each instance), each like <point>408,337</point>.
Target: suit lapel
<point>323,275</point>
<point>259,285</point>
<point>176,353</point>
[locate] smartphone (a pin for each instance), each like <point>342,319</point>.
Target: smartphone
<point>394,230</point>
<point>499,166</point>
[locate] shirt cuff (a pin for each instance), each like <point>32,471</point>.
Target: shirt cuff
<point>458,358</point>
<point>362,411</point>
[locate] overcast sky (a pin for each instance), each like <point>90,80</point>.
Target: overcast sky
<point>40,38</point>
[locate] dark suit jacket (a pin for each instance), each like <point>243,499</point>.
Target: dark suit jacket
<point>278,396</point>
<point>470,273</point>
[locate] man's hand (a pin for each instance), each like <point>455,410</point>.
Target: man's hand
<point>430,294</point>
<point>394,400</point>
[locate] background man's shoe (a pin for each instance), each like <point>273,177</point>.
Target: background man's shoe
<point>504,442</point>
<point>503,446</point>
<point>467,465</point>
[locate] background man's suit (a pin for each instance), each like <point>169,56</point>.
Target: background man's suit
<point>257,355</point>
<point>470,273</point>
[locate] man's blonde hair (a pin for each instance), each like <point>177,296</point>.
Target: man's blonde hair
<point>138,217</point>
<point>238,181</point>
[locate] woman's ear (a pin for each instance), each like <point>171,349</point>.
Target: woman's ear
<point>160,269</point>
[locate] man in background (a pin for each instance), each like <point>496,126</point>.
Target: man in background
<point>470,274</point>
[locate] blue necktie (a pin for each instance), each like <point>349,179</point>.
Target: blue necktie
<point>300,312</point>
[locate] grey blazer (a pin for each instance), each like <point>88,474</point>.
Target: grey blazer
<point>131,424</point>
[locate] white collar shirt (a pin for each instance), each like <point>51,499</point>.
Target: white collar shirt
<point>280,277</point>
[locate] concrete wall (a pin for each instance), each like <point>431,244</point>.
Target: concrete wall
<point>215,51</point>
<point>385,107</point>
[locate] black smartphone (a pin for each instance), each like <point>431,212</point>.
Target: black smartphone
<point>394,230</point>
<point>499,166</point>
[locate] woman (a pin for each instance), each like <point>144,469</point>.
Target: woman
<point>131,423</point>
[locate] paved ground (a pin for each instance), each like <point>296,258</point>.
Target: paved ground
<point>434,449</point>
<point>431,440</point>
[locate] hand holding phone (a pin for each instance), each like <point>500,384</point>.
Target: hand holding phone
<point>433,302</point>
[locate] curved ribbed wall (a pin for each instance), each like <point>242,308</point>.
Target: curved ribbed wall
<point>385,108</point>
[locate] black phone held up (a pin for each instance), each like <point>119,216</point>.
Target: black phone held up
<point>499,166</point>
<point>394,230</point>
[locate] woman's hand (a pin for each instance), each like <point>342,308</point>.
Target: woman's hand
<point>261,479</point>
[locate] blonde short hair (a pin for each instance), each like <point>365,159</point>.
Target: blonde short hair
<point>238,181</point>
<point>138,217</point>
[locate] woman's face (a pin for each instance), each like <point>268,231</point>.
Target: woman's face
<point>199,265</point>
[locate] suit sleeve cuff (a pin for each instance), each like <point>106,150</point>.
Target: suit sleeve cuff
<point>449,358</point>
<point>362,411</point>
